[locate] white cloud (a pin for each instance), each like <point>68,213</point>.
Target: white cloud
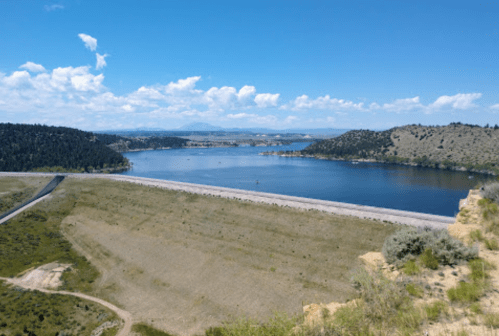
<point>403,105</point>
<point>182,84</point>
<point>460,101</point>
<point>245,93</point>
<point>241,116</point>
<point>263,100</point>
<point>101,61</point>
<point>33,67</point>
<point>290,119</point>
<point>90,42</point>
<point>322,103</point>
<point>494,107</point>
<point>17,78</point>
<point>50,8</point>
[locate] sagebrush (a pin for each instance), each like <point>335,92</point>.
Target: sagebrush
<point>491,191</point>
<point>410,243</point>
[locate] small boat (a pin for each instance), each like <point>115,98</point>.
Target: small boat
<point>355,162</point>
<point>471,176</point>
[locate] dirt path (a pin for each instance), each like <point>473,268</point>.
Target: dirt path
<point>124,315</point>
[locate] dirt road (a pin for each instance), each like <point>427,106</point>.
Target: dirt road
<point>124,315</point>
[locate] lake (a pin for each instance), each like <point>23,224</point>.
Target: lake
<point>424,190</point>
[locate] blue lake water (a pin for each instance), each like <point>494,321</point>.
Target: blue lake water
<point>398,187</point>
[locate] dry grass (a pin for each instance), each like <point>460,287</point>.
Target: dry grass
<point>15,190</point>
<point>183,262</point>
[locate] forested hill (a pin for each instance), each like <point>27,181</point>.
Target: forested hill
<point>456,146</point>
<point>125,144</point>
<point>37,147</point>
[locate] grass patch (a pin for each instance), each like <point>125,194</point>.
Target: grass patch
<point>411,268</point>
<point>14,191</point>
<point>33,238</point>
<point>465,292</point>
<point>492,244</point>
<point>384,305</point>
<point>476,235</point>
<point>414,290</point>
<point>476,308</point>
<point>24,311</point>
<point>146,330</point>
<point>435,310</point>
<point>429,260</point>
<point>491,320</point>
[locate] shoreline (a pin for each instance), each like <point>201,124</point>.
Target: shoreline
<point>412,164</point>
<point>412,218</point>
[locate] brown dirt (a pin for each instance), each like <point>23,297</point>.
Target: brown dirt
<point>183,262</point>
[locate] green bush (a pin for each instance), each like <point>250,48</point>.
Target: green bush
<point>410,242</point>
<point>491,320</point>
<point>476,235</point>
<point>491,191</point>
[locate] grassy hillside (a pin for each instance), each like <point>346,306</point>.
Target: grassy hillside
<point>456,146</point>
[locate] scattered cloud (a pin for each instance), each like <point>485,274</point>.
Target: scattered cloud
<point>403,105</point>
<point>495,107</point>
<point>263,100</point>
<point>33,67</point>
<point>461,101</point>
<point>101,61</point>
<point>304,103</point>
<point>53,7</point>
<point>241,116</point>
<point>90,42</point>
<point>290,119</point>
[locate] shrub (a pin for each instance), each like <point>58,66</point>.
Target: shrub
<point>409,243</point>
<point>478,269</point>
<point>491,191</point>
<point>429,260</point>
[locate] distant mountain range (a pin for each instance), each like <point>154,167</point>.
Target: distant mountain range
<point>205,127</point>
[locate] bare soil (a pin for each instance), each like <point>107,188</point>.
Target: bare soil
<point>184,262</point>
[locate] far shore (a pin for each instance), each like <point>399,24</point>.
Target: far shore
<point>412,164</point>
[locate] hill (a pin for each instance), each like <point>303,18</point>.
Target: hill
<point>129,143</point>
<point>44,148</point>
<point>456,146</point>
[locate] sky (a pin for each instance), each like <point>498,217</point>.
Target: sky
<point>102,65</point>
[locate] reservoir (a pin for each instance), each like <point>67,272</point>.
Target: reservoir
<point>417,189</point>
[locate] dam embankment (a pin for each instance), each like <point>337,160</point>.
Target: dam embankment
<point>362,211</point>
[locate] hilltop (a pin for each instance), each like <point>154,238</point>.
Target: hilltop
<point>39,147</point>
<point>456,146</point>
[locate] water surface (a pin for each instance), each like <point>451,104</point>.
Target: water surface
<point>398,187</point>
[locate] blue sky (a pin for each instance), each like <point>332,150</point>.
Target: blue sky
<point>111,64</point>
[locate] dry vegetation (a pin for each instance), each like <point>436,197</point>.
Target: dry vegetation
<point>182,262</point>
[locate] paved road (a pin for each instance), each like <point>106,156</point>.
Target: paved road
<point>35,199</point>
<point>362,211</point>
<point>124,315</point>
